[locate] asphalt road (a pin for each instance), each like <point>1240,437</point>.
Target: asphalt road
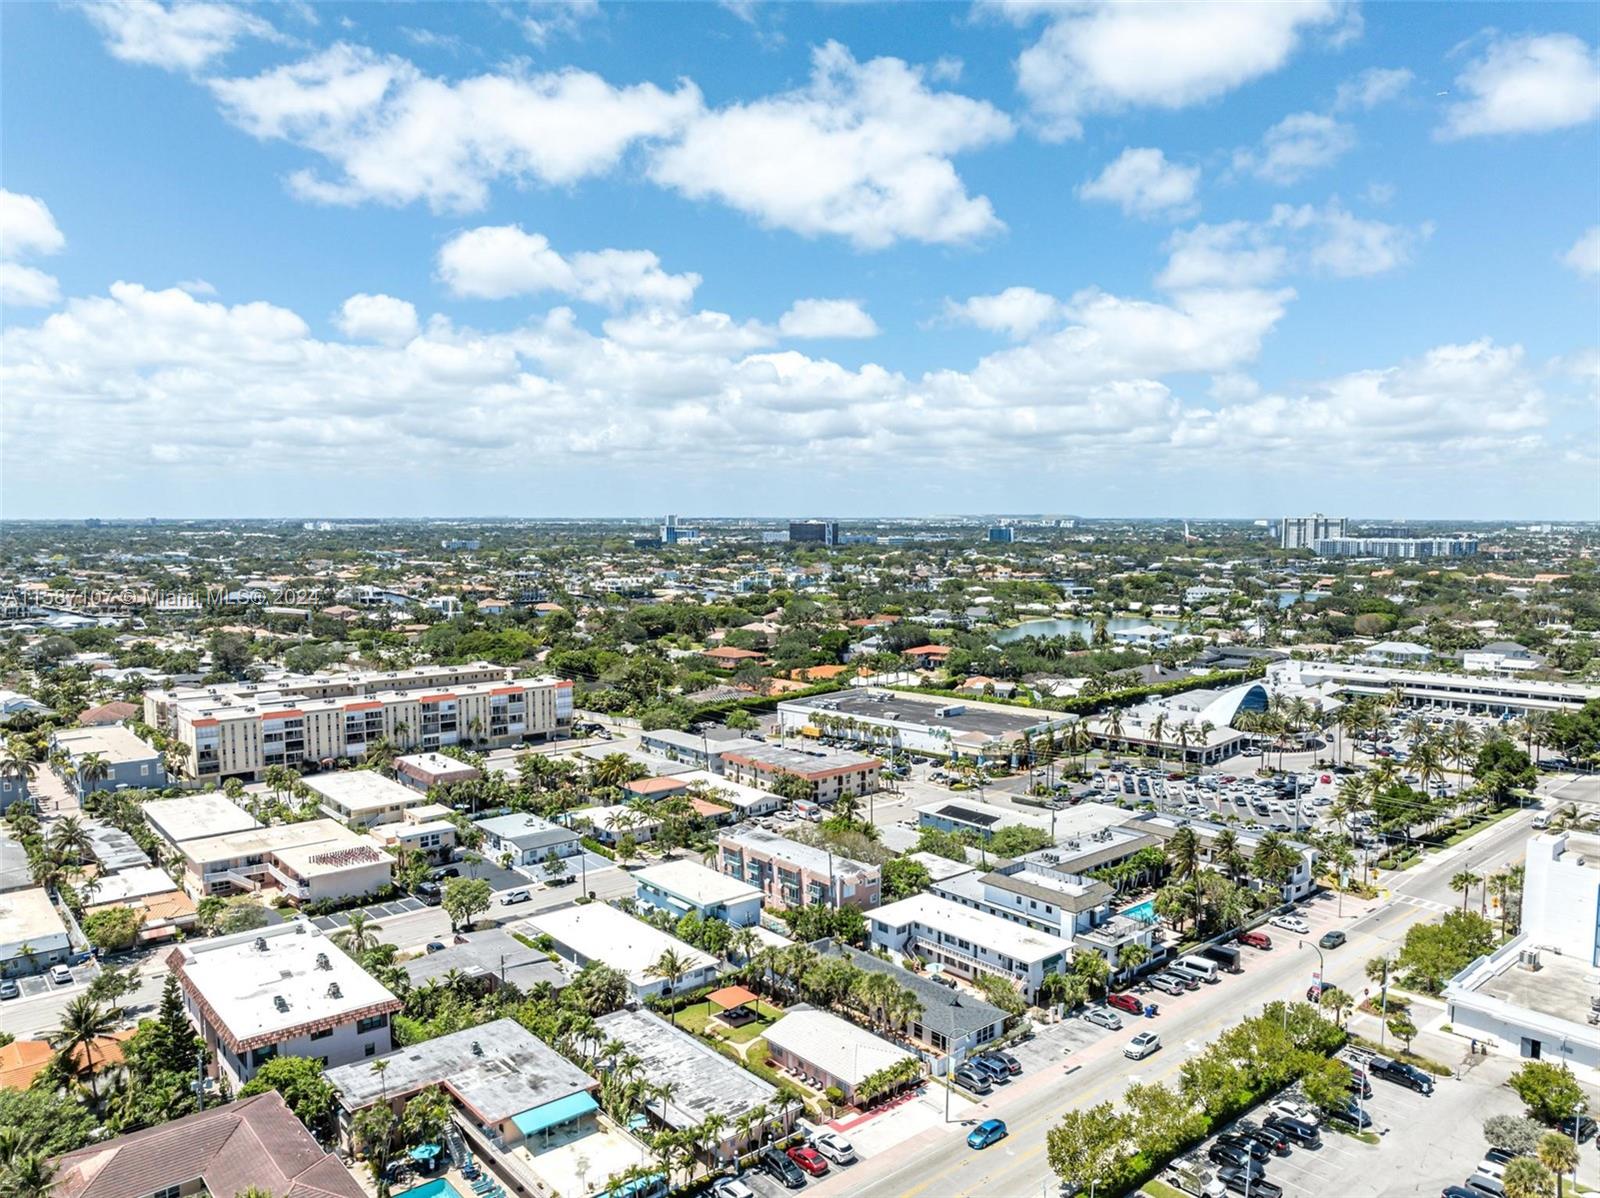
<point>937,1163</point>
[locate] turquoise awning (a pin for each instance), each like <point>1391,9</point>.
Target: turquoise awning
<point>551,1113</point>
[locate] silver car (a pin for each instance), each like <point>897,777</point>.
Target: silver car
<point>1101,1017</point>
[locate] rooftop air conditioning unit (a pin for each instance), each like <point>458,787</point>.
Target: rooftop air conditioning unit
<point>334,991</point>
<point>280,1002</point>
<point>323,962</point>
<point>261,944</point>
<point>1528,959</point>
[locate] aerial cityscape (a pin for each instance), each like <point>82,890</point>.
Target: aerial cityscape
<point>730,599</point>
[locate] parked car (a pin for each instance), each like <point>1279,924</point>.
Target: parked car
<point>1013,1066</point>
<point>990,1131</point>
<point>1290,923</point>
<point>1334,939</point>
<point>515,896</point>
<point>8,989</point>
<point>61,975</point>
<point>1292,1108</point>
<point>973,1079</point>
<point>1258,1150</point>
<point>1460,1192</point>
<point>1353,1113</point>
<point>429,893</point>
<point>435,946</point>
<point>1142,1046</point>
<point>1401,1074</point>
<point>995,1071</point>
<point>1242,1182</point>
<point>1481,1183</point>
<point>1166,983</point>
<point>563,880</point>
<point>1235,1156</point>
<point>731,1187</point>
<point>1101,1017</point>
<point>1296,1131</point>
<point>1277,1143</point>
<point>781,1169</point>
<point>1255,939</point>
<point>835,1147</point>
<point>809,1159</point>
<point>448,871</point>
<point>1125,1002</point>
<point>1360,1084</point>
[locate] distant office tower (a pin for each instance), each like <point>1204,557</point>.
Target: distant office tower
<point>1001,535</point>
<point>672,532</point>
<point>1303,532</point>
<point>814,532</point>
<point>1417,548</point>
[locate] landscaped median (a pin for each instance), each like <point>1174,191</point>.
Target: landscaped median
<point>1114,1149</point>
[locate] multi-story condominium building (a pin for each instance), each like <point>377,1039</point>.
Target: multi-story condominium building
<point>814,532</point>
<point>159,704</point>
<point>968,942</point>
<point>307,862</point>
<point>791,874</point>
<point>232,736</point>
<point>830,774</point>
<point>1296,886</point>
<point>682,887</point>
<point>1418,548</point>
<point>1303,532</point>
<point>128,761</point>
<point>286,990</point>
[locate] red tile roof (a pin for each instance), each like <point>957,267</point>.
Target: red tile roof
<point>109,713</point>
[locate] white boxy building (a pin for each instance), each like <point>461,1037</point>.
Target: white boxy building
<point>967,941</point>
<point>281,991</point>
<point>599,932</point>
<point>1538,995</point>
<point>684,886</point>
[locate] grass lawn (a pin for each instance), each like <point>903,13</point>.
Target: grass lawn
<point>698,1017</point>
<point>1160,1189</point>
<point>1479,825</point>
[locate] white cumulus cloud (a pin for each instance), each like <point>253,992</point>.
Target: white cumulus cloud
<point>497,261</point>
<point>816,318</point>
<point>397,135</point>
<point>863,152</point>
<point>1303,239</point>
<point>1299,144</point>
<point>27,228</point>
<point>1018,312</point>
<point>1526,85</point>
<point>1374,86</point>
<point>1584,256</point>
<point>1108,57</point>
<point>184,35</point>
<point>378,318</point>
<point>1144,184</point>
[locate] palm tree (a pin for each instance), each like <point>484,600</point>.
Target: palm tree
<point>1183,856</point>
<point>1131,956</point>
<point>83,1022</point>
<point>92,768</point>
<point>70,839</point>
<point>359,936</point>
<point>1462,744</point>
<point>670,966</point>
<point>1559,1154</point>
<point>1225,852</point>
<point>1526,1177</point>
<point>28,1175</point>
<point>746,943</point>
<point>1463,882</point>
<point>379,1068</point>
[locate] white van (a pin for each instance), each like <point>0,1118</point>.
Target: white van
<point>1194,967</point>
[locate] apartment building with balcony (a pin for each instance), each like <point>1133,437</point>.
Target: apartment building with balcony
<point>830,774</point>
<point>687,887</point>
<point>308,862</point>
<point>235,736</point>
<point>789,873</point>
<point>287,991</point>
<point>128,761</point>
<point>968,942</point>
<point>363,798</point>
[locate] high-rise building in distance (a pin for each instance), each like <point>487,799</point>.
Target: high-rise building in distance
<point>1303,532</point>
<point>814,532</point>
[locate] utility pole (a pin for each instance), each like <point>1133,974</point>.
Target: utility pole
<point>1383,1004</point>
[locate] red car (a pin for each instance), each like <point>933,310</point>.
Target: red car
<point>809,1159</point>
<point>1255,939</point>
<point>1125,1002</point>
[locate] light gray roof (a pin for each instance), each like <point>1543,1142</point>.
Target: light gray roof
<point>113,848</point>
<point>481,954</point>
<point>527,831</point>
<point>704,1081</point>
<point>497,1069</point>
<point>945,1011</point>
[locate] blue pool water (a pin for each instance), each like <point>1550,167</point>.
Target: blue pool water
<point>1144,912</point>
<point>437,1188</point>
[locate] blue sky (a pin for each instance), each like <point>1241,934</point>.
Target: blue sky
<point>841,259</point>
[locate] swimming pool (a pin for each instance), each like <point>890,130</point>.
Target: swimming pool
<point>439,1187</point>
<point>1144,912</point>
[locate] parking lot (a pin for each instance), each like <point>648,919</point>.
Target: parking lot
<point>1424,1142</point>
<point>34,985</point>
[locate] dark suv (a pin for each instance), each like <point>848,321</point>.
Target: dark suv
<point>1401,1074</point>
<point>780,1168</point>
<point>1297,1131</point>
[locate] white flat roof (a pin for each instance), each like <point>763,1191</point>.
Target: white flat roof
<point>364,790</point>
<point>192,817</point>
<point>697,884</point>
<point>836,1046</point>
<point>28,916</point>
<point>112,741</point>
<point>600,932</point>
<point>139,882</point>
<point>273,839</point>
<point>999,935</point>
<point>736,793</point>
<point>239,980</point>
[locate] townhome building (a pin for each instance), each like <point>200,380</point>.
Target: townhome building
<point>830,774</point>
<point>789,873</point>
<point>686,887</point>
<point>968,942</point>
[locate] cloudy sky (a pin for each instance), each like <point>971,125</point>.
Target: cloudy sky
<point>454,259</point>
